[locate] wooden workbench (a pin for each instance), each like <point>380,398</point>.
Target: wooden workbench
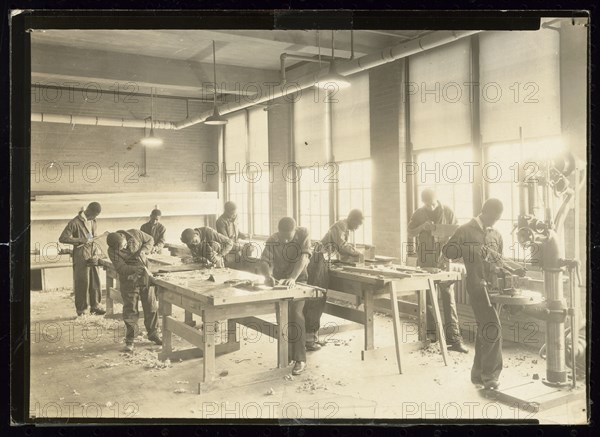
<point>367,286</point>
<point>216,302</point>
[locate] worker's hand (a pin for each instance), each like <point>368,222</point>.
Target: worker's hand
<point>520,272</point>
<point>187,259</point>
<point>428,226</point>
<point>270,281</point>
<point>289,282</point>
<point>442,264</point>
<point>218,261</point>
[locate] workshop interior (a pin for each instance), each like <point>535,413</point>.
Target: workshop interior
<point>318,224</point>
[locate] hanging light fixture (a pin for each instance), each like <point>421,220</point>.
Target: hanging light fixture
<point>332,77</point>
<point>215,119</point>
<point>151,140</point>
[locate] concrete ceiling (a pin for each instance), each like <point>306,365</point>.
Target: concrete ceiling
<point>179,62</point>
<point>259,49</point>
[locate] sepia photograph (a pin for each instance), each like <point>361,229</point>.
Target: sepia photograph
<point>308,224</point>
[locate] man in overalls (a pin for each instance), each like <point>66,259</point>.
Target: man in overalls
<point>127,251</point>
<point>80,232</point>
<point>472,242</point>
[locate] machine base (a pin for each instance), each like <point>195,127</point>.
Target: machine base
<point>534,396</point>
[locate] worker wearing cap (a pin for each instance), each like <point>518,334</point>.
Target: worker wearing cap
<point>335,241</point>
<point>472,242</point>
<point>127,252</point>
<point>156,230</point>
<point>207,246</point>
<point>284,260</point>
<point>421,224</point>
<point>80,232</point>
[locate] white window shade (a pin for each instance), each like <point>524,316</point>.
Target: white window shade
<point>524,66</point>
<point>236,141</point>
<point>310,128</point>
<point>259,136</point>
<point>351,133</point>
<point>440,103</point>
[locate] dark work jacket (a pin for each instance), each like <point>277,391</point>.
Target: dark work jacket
<point>76,233</point>
<point>131,260</point>
<point>206,248</point>
<point>228,226</point>
<point>157,232</point>
<point>428,250</point>
<point>467,243</point>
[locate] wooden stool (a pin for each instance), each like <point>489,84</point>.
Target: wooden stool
<point>396,289</point>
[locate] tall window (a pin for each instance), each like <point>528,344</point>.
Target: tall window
<point>447,171</point>
<point>314,203</point>
<point>246,150</point>
<point>238,193</point>
<point>261,224</point>
<point>354,192</point>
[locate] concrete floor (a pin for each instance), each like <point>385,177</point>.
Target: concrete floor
<point>78,370</point>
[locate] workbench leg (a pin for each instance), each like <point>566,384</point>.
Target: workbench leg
<point>231,331</point>
<point>110,309</point>
<point>369,325</point>
<point>422,316</point>
<point>165,309</point>
<point>397,326</point>
<point>189,318</point>
<point>439,325</point>
<point>208,346</point>
<point>282,334</point>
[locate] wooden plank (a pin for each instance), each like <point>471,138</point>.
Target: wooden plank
<point>384,305</point>
<point>345,313</point>
<point>244,310</point>
<point>397,326</point>
<point>165,310</point>
<point>194,352</point>
<point>262,326</point>
<point>439,325</point>
<point>369,320</point>
<point>208,346</point>
<point>376,272</point>
<point>191,335</point>
<point>282,335</point>
<point>373,281</point>
<point>180,268</point>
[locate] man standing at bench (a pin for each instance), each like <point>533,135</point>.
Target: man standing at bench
<point>207,246</point>
<point>480,247</point>
<point>80,232</point>
<point>284,260</point>
<point>334,241</point>
<point>156,230</point>
<point>227,225</point>
<point>421,224</point>
<point>127,251</point>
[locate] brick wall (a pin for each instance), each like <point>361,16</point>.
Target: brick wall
<point>101,160</point>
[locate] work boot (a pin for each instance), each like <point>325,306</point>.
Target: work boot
<point>155,339</point>
<point>98,311</point>
<point>491,385</point>
<point>458,346</point>
<point>83,313</point>
<point>128,347</point>
<point>299,367</point>
<point>313,346</point>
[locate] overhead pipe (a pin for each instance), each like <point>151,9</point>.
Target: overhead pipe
<point>102,121</point>
<point>311,58</point>
<point>346,68</point>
